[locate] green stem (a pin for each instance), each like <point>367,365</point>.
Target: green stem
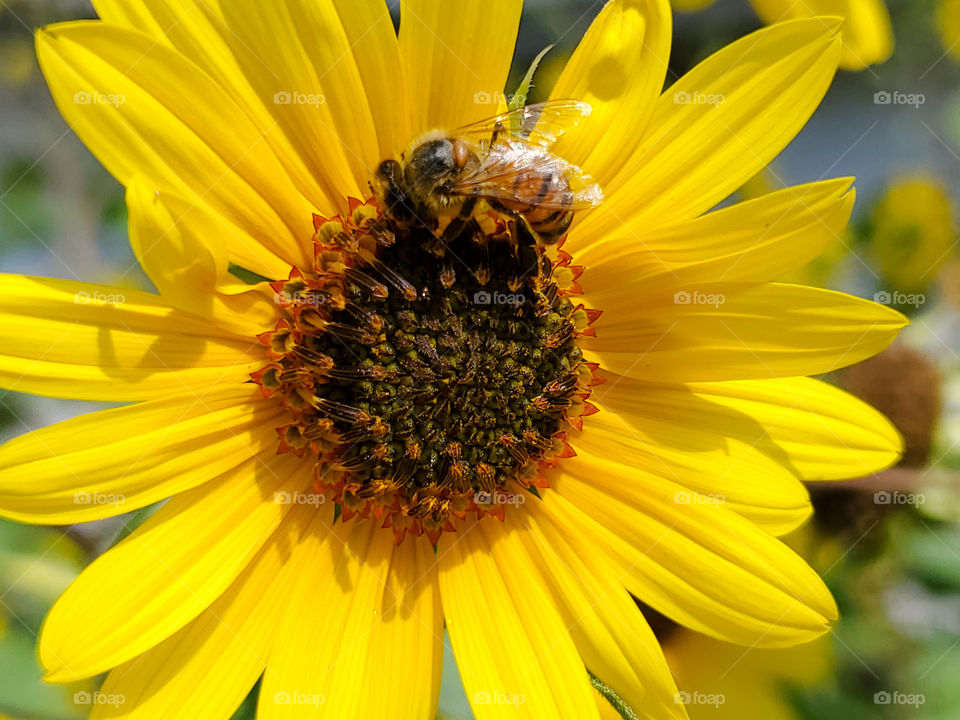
<point>618,703</point>
<point>519,98</point>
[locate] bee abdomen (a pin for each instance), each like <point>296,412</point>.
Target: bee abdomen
<point>543,199</point>
<point>551,227</point>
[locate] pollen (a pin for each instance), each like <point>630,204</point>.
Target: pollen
<point>427,379</point>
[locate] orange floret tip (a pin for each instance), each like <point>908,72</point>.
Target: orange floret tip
<point>592,315</point>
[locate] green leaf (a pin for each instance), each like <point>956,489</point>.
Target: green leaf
<point>247,276</point>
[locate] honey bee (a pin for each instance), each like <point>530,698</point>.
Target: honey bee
<point>505,162</point>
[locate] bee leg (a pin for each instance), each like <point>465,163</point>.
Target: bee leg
<point>476,252</point>
<point>497,129</point>
<point>456,226</point>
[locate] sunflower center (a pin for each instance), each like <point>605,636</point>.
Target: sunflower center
<point>429,378</point>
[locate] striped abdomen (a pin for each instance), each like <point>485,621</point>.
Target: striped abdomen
<point>544,197</point>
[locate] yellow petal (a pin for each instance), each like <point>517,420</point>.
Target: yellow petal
<point>206,669</point>
<point>618,67</point>
<point>720,124</point>
<point>376,51</point>
<point>698,563</point>
<point>456,56</point>
<point>362,634</point>
<point>667,432</point>
<point>604,622</point>
<point>169,570</point>
<point>718,333</point>
<point>144,109</point>
<point>514,651</point>
<point>867,35</point>
<point>95,342</point>
<point>199,32</point>
<point>754,241</point>
<point>113,461</point>
<point>815,429</point>
<point>186,252</point>
<point>299,58</point>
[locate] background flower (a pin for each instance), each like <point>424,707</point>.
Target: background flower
<point>867,33</point>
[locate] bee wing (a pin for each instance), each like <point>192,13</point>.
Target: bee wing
<point>513,162</point>
<point>538,124</point>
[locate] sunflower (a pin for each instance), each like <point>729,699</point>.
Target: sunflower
<point>359,453</point>
<point>867,32</point>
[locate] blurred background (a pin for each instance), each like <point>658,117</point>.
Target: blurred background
<point>888,546</point>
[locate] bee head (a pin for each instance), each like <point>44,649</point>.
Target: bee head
<point>433,165</point>
<point>390,189</point>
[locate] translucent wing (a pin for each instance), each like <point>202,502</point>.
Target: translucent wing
<point>538,124</point>
<point>517,172</point>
